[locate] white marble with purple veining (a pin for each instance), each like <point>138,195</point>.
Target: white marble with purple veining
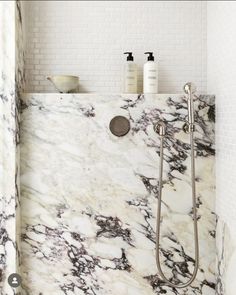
<point>226,260</point>
<point>88,198</point>
<point>20,52</point>
<point>9,131</point>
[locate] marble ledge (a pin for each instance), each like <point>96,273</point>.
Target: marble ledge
<point>208,98</point>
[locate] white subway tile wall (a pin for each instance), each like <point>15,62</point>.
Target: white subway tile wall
<point>88,38</point>
<point>221,77</point>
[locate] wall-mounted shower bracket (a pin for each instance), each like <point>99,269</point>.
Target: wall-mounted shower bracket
<point>160,128</point>
<point>188,127</point>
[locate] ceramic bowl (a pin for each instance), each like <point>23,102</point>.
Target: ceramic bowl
<point>65,83</point>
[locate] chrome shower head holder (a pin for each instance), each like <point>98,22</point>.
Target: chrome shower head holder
<point>160,128</point>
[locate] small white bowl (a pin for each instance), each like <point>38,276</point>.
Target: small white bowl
<point>65,83</point>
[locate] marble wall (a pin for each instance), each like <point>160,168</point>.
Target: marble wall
<point>9,133</point>
<point>20,52</point>
<point>88,198</point>
<point>226,260</point>
<point>19,88</point>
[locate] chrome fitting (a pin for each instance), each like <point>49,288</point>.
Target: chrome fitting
<point>188,127</point>
<point>160,128</point>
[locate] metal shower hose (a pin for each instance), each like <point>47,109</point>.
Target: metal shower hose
<point>160,128</point>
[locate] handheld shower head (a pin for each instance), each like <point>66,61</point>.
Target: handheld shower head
<point>189,88</point>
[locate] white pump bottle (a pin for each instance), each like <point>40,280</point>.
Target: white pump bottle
<point>130,75</point>
<point>150,75</point>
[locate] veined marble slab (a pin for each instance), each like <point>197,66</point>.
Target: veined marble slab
<point>226,257</point>
<point>9,139</point>
<point>89,199</point>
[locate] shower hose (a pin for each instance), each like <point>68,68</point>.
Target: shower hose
<point>160,128</point>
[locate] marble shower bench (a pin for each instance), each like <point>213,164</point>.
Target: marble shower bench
<point>89,199</point>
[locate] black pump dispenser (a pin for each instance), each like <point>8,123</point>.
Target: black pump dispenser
<point>130,56</point>
<point>150,56</point>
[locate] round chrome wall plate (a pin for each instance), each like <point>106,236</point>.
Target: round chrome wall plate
<point>119,126</point>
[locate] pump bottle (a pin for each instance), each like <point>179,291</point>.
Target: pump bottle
<point>150,75</point>
<point>130,74</point>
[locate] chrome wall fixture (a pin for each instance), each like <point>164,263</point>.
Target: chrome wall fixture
<point>188,127</point>
<point>119,126</point>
